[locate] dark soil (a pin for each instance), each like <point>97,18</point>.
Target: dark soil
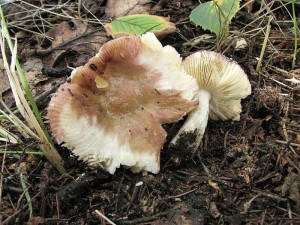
<point>245,172</point>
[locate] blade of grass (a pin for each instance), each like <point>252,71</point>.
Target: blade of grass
<point>23,129</point>
<point>23,78</point>
<point>33,118</point>
<point>27,196</point>
<point>22,152</point>
<point>19,97</point>
<point>264,45</point>
<point>295,34</point>
<point>8,136</point>
<point>4,117</point>
<point>1,180</point>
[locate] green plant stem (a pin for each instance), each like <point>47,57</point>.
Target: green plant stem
<point>27,196</point>
<point>22,152</point>
<point>295,35</point>
<point>3,117</point>
<point>24,81</point>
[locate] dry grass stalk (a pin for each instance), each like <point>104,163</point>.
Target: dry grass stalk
<point>22,103</point>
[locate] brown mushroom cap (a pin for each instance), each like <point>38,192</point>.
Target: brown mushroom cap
<point>223,78</point>
<point>112,110</point>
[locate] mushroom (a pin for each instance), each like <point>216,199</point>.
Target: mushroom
<point>222,85</point>
<point>111,112</point>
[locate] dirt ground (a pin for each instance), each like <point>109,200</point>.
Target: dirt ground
<point>245,172</point>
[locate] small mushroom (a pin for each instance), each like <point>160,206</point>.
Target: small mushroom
<point>222,85</point>
<point>111,112</point>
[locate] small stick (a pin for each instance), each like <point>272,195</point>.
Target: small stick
<point>8,219</point>
<point>289,210</point>
<point>57,205</point>
<point>287,143</point>
<point>280,71</point>
<point>225,140</point>
<point>293,164</point>
<point>134,194</point>
<point>144,220</point>
<point>2,177</point>
<point>269,195</point>
<point>182,194</point>
<point>263,217</point>
<point>118,192</point>
<point>285,210</point>
<point>104,217</point>
<point>295,34</point>
<point>79,8</point>
<point>264,45</point>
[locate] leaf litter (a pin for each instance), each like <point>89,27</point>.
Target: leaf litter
<point>115,8</point>
<point>245,172</point>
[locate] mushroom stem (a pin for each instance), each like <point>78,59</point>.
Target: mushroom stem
<point>191,133</point>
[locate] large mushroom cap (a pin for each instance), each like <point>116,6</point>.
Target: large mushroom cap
<point>112,110</point>
<point>223,78</point>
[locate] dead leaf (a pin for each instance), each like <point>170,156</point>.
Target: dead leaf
<point>269,99</point>
<point>95,6</point>
<point>33,73</point>
<point>253,129</point>
<point>246,176</point>
<point>4,84</point>
<point>291,186</point>
<point>293,80</point>
<point>73,44</point>
<point>215,186</point>
<point>296,72</point>
<point>21,35</point>
<point>33,65</point>
<point>184,215</point>
<point>240,44</point>
<point>32,69</point>
<point>63,34</point>
<point>249,5</point>
<point>66,31</point>
<point>298,138</point>
<point>248,204</point>
<point>22,167</point>
<point>5,91</point>
<point>36,221</point>
<point>283,162</point>
<point>214,210</point>
<point>116,8</point>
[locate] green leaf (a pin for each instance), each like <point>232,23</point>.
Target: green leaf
<point>140,24</point>
<point>215,15</point>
